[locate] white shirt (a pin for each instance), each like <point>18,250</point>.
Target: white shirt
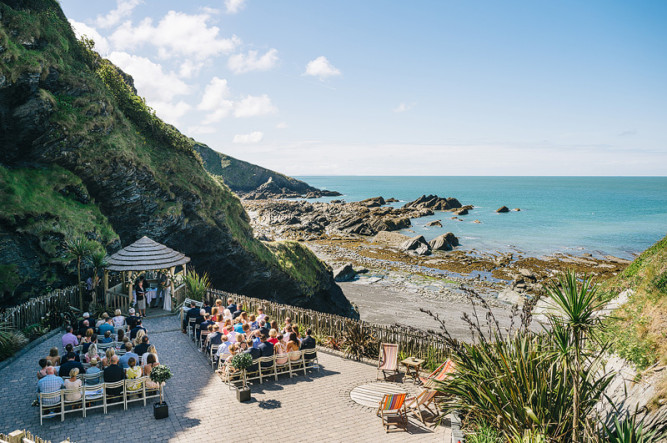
<point>223,348</point>
<point>118,321</point>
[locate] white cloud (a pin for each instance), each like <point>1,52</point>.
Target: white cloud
<point>403,107</point>
<point>321,67</point>
<point>123,9</point>
<point>150,79</point>
<point>189,68</point>
<point>216,99</point>
<point>177,34</point>
<point>234,6</point>
<point>101,43</point>
<point>281,125</point>
<point>240,63</point>
<point>252,106</point>
<point>253,137</point>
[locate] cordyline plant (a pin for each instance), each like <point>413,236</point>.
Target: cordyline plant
<point>532,385</point>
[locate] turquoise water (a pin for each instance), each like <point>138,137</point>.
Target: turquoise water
<point>620,216</point>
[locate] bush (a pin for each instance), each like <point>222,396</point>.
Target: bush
<point>11,341</point>
<point>197,285</point>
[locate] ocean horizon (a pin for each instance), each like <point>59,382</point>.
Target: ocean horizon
<point>620,216</point>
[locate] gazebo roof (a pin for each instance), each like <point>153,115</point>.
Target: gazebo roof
<point>145,255</point>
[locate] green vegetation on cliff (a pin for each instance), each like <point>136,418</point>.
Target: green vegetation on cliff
<point>638,331</point>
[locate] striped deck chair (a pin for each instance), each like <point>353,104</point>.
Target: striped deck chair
<point>440,374</point>
<point>425,398</point>
<point>393,412</point>
<point>388,361</point>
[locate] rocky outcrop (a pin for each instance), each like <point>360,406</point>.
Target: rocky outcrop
<point>444,242</point>
<point>434,203</point>
<point>502,209</point>
<point>254,182</point>
<point>434,223</point>
<point>344,273</point>
<point>373,202</point>
<point>416,245</point>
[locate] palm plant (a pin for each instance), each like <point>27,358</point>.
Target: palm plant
<point>197,285</point>
<point>97,260</point>
<point>78,248</point>
<point>576,322</point>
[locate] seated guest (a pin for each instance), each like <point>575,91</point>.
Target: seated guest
<point>92,370</point>
<point>101,321</point>
<point>86,319</point>
<point>205,324</point>
<point>254,324</point>
<point>273,334</point>
<point>138,327</point>
<point>280,347</point>
<point>214,338</point>
<point>142,347</point>
<point>255,353</point>
<point>293,345</point>
<point>193,312</point>
<point>207,307</point>
<point>114,373</point>
<point>91,354</point>
<point>73,383</point>
<point>238,327</point>
<point>224,347</point>
<point>274,325</point>
<point>69,348</point>
<point>139,338</point>
<point>70,364</point>
<point>255,338</point>
<point>42,371</point>
<point>48,384</point>
<point>218,304</point>
<point>287,332</point>
<point>121,336</point>
<point>238,312</point>
<point>86,340</point>
<point>69,338</point>
<point>226,314</point>
<point>266,350</point>
<point>106,361</point>
<point>107,338</point>
<point>106,326</point>
<point>127,356</point>
<point>53,357</point>
<point>83,330</point>
<point>260,314</point>
<point>244,317</point>
<point>288,322</point>
<point>308,342</point>
<point>118,320</point>
<point>199,320</point>
<point>151,351</point>
<point>264,328</point>
<point>133,372</point>
<point>295,329</point>
<point>151,362</point>
<point>132,319</point>
<point>231,305</point>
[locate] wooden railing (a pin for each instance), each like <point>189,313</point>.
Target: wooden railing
<point>420,344</point>
<point>23,437</point>
<point>33,310</point>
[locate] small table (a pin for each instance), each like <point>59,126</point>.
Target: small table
<point>412,367</point>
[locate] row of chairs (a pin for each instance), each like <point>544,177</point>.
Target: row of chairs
<point>271,367</point>
<point>91,397</point>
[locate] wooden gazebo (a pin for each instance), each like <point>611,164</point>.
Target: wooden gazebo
<point>142,255</point>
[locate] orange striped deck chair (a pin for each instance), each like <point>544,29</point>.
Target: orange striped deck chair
<point>393,412</point>
<point>424,399</point>
<point>440,374</point>
<point>388,361</point>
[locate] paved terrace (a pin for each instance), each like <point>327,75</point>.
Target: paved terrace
<point>316,407</point>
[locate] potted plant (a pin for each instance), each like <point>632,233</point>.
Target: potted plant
<point>160,374</point>
<point>241,362</point>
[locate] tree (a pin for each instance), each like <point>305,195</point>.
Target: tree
<point>576,322</point>
<point>97,259</point>
<point>79,249</point>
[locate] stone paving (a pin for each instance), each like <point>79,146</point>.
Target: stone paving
<point>311,408</point>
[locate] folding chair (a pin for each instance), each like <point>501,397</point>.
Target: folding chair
<point>72,404</point>
<point>282,364</point>
<point>423,399</point>
<point>191,326</point>
<point>49,405</point>
<point>392,411</point>
<point>214,350</point>
<point>388,361</point>
<point>116,396</point>
<point>310,358</point>
<point>135,390</point>
<point>93,397</point>
<point>267,367</point>
<point>443,371</point>
<point>296,362</point>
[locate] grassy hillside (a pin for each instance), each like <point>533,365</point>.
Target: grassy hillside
<point>639,330</point>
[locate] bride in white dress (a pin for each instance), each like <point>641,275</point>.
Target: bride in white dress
<point>167,294</point>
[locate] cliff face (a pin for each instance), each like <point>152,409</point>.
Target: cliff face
<point>120,173</point>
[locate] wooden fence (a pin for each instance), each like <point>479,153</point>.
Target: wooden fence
<point>420,344</point>
<point>33,310</point>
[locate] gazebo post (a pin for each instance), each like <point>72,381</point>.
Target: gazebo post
<point>171,283</point>
<point>106,288</point>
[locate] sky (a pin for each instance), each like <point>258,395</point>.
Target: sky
<point>376,87</point>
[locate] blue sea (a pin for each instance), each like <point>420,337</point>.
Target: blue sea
<point>620,216</point>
